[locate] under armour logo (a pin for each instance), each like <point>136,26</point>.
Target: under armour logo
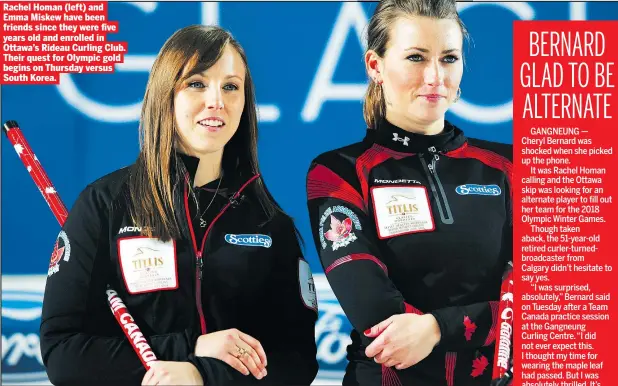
<point>404,140</point>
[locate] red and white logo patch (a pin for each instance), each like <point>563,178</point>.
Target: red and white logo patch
<point>337,225</point>
<point>62,251</point>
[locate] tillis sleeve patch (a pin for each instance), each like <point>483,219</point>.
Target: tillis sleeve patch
<point>307,286</point>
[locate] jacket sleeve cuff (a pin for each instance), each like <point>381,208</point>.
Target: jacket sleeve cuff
<point>198,365</point>
<point>443,325</point>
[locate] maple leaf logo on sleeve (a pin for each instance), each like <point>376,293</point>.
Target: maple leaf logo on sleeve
<point>340,232</point>
<point>478,366</point>
<point>470,328</point>
<point>56,254</point>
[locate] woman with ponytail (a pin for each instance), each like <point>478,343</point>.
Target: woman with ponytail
<point>413,224</point>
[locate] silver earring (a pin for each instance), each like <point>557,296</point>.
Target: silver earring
<point>458,96</point>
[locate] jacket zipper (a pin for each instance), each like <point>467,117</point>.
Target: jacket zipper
<point>432,175</point>
<point>199,262</point>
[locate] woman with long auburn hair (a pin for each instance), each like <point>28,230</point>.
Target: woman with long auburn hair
<point>206,261</point>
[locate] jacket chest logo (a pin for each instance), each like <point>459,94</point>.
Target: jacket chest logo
<point>133,229</point>
<point>148,264</point>
<point>400,210</point>
<point>249,240</point>
<point>479,190</point>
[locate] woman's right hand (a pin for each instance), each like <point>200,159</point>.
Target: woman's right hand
<point>237,349</point>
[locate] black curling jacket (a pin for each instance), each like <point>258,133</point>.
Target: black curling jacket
<point>416,223</point>
<point>247,273</point>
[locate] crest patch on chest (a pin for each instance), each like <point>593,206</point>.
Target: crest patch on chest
<point>400,210</point>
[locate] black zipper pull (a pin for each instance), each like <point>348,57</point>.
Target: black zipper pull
<point>432,166</point>
<point>236,201</point>
<point>435,152</point>
<point>200,264</point>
